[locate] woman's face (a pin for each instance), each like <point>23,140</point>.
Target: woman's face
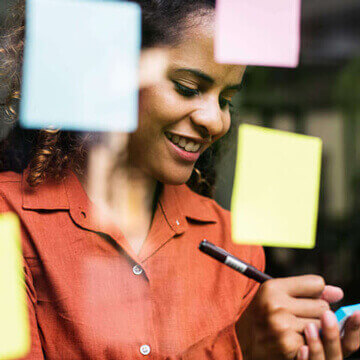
<point>182,115</point>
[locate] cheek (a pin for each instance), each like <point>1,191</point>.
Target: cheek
<point>159,105</point>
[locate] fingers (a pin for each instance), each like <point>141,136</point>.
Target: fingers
<point>303,353</point>
<point>288,344</point>
<point>308,308</point>
<point>304,296</point>
<point>332,294</point>
<point>282,321</point>
<point>300,305</point>
<point>316,350</point>
<point>329,347</point>
<point>299,286</point>
<point>303,323</point>
<point>281,327</point>
<point>351,339</point>
<point>331,336</point>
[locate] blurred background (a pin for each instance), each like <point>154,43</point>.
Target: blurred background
<point>322,98</point>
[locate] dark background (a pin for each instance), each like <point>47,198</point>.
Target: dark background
<point>321,97</point>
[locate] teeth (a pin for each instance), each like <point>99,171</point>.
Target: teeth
<point>185,143</point>
<point>189,146</point>
<point>182,142</point>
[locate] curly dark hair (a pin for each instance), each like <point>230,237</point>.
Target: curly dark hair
<point>48,153</point>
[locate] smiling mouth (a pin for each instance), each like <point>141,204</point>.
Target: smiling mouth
<point>184,143</point>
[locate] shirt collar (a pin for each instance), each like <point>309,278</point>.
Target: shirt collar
<point>50,195</point>
<point>178,202</point>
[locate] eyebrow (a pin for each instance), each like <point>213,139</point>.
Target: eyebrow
<point>200,74</point>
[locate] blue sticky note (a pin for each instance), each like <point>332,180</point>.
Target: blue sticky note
<point>344,313</point>
<point>81,65</point>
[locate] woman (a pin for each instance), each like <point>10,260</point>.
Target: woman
<point>94,293</point>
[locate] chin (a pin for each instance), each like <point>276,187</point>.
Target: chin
<point>173,177</point>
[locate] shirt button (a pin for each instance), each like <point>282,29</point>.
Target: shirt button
<point>177,222</point>
<point>145,350</point>
<point>137,270</point>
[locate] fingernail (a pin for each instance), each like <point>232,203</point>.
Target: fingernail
<point>312,331</point>
<point>329,319</point>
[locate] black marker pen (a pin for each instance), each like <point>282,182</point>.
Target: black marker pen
<point>233,262</point>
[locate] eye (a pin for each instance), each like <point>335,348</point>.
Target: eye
<point>184,90</point>
<point>224,103</point>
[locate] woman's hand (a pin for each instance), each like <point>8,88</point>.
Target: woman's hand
<point>273,325</point>
<point>330,346</point>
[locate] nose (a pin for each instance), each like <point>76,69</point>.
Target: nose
<point>208,119</point>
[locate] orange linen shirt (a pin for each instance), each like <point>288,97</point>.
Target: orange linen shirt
<point>91,297</point>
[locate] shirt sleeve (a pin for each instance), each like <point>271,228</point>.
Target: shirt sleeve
<point>225,344</point>
<point>36,352</point>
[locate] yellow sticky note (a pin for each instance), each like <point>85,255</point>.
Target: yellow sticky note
<point>14,326</point>
<point>276,189</point>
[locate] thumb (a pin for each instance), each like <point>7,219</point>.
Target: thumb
<point>332,294</point>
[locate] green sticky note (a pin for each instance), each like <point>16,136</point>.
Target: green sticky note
<point>276,189</point>
<point>14,325</point>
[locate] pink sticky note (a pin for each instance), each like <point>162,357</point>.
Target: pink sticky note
<point>258,32</point>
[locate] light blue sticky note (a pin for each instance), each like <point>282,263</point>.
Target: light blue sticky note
<point>81,65</point>
<point>344,313</point>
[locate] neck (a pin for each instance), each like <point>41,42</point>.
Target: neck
<point>124,194</point>
<point>141,194</point>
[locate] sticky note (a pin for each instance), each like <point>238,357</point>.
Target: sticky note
<point>14,327</point>
<point>81,65</point>
<point>258,32</point>
<point>344,313</point>
<point>276,188</point>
